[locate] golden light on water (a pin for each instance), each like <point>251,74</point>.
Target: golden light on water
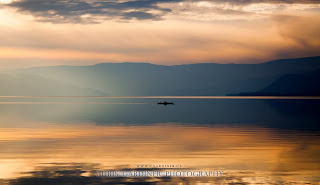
<point>230,148</point>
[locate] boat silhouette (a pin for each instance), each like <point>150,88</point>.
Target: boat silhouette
<point>166,103</point>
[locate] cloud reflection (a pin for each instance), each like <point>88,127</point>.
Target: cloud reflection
<point>223,147</point>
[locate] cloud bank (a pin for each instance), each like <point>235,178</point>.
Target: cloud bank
<point>97,11</point>
<point>85,32</point>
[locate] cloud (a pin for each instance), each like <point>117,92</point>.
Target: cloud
<point>244,2</point>
<point>191,32</point>
<point>301,31</point>
<point>161,42</point>
<point>96,11</point>
<point>85,174</point>
<point>82,11</point>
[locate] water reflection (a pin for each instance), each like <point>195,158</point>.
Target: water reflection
<point>66,144</point>
<point>284,114</point>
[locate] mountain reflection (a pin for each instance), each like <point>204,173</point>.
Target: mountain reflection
<point>275,113</point>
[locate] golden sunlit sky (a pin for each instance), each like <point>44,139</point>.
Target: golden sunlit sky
<point>168,32</point>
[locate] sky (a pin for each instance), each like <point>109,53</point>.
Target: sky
<point>166,32</point>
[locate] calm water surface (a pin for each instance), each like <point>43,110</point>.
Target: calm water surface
<point>65,140</point>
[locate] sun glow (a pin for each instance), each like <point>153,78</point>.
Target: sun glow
<point>5,1</point>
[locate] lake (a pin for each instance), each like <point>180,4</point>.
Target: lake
<point>66,140</point>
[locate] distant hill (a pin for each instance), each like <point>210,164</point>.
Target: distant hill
<point>34,85</point>
<point>143,79</point>
<point>292,85</point>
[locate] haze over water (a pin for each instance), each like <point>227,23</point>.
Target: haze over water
<point>60,140</point>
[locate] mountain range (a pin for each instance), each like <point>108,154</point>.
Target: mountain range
<point>144,79</point>
<point>305,84</point>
